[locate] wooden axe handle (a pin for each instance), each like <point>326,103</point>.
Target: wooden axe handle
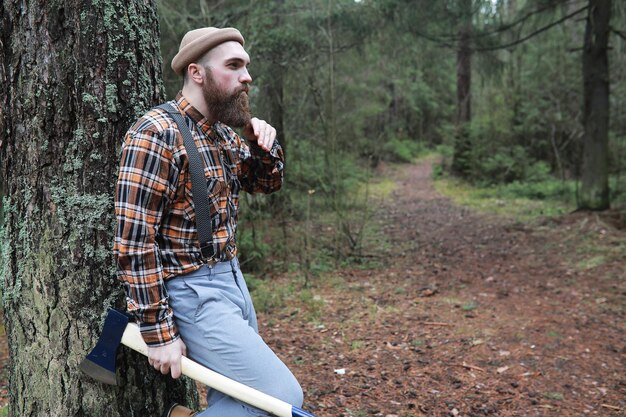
<point>132,338</point>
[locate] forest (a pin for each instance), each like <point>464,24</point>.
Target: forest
<point>497,88</point>
<point>449,239</point>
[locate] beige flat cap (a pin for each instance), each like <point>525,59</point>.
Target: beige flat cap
<point>197,42</point>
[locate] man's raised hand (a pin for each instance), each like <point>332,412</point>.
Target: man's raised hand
<point>261,132</point>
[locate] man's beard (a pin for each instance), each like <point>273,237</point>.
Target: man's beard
<point>231,109</point>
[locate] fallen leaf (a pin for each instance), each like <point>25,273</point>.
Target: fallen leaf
<point>428,292</point>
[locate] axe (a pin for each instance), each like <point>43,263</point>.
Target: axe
<point>100,364</point>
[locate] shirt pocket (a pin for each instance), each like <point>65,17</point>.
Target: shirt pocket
<point>217,190</point>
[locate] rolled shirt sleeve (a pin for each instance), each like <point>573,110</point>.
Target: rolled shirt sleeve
<point>261,171</point>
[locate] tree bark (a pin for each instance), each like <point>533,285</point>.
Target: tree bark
<point>273,94</point>
<point>462,145</point>
<point>74,76</point>
<point>594,193</point>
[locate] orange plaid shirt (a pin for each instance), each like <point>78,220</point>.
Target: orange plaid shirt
<point>156,237</point>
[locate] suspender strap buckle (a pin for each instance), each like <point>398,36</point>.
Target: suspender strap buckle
<point>208,251</point>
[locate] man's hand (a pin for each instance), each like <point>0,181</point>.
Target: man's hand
<point>261,132</point>
<point>167,357</point>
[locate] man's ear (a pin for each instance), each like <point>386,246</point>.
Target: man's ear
<point>195,73</point>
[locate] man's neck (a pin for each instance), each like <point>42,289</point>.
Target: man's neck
<point>196,99</point>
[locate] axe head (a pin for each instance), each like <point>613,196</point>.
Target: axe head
<point>100,363</point>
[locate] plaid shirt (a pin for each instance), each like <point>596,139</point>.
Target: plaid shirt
<point>156,236</point>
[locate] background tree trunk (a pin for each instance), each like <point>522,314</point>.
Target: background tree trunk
<point>462,145</point>
<point>594,193</point>
<point>273,93</point>
<point>74,77</point>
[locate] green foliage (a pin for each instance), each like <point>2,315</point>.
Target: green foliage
<point>592,262</point>
<point>557,396</point>
<point>526,103</point>
<point>267,295</point>
<point>617,185</point>
<point>439,171</point>
<point>252,250</point>
<point>521,200</point>
<point>418,342</point>
<point>501,166</point>
<point>315,304</point>
<point>547,189</point>
<point>469,306</point>
<point>402,150</point>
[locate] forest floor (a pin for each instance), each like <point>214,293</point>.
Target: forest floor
<point>469,315</point>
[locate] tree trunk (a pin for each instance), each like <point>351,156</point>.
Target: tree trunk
<point>594,194</point>
<point>462,145</point>
<point>273,94</point>
<point>74,76</point>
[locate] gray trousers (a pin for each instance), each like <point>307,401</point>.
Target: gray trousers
<point>216,320</point>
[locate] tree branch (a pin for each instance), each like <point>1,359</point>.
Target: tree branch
<point>511,25</point>
<point>533,34</point>
<point>450,43</point>
<point>450,40</point>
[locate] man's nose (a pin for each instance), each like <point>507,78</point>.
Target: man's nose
<point>245,77</point>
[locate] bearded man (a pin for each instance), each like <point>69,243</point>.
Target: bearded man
<point>185,302</point>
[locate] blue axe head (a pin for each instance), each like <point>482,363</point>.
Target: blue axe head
<point>100,363</point>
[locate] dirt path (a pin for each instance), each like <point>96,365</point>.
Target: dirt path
<point>472,315</point>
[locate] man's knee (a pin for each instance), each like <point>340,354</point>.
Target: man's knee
<point>284,386</point>
<point>288,390</point>
<point>296,396</point>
